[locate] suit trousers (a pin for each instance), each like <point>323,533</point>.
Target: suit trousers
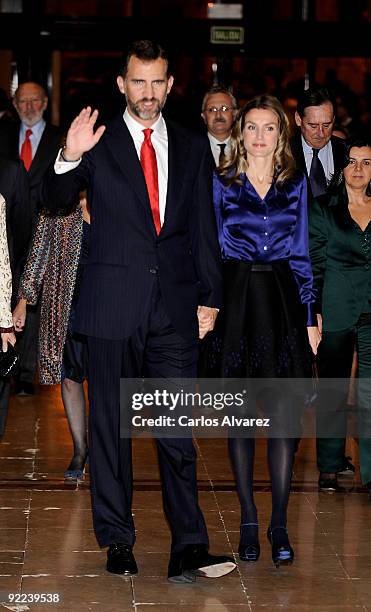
<point>335,358</point>
<point>155,350</point>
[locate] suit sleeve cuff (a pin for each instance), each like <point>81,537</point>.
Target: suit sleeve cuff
<point>61,166</point>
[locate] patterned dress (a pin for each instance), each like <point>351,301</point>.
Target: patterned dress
<point>52,265</point>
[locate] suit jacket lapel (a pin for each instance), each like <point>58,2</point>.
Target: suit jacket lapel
<point>41,153</point>
<point>49,144</point>
<point>121,145</point>
<point>178,150</point>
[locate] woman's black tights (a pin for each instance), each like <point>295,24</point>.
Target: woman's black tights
<point>280,461</point>
<point>74,405</point>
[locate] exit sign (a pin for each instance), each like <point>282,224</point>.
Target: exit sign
<point>225,35</point>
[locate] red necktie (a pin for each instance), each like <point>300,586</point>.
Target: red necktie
<point>149,165</point>
<point>26,150</point>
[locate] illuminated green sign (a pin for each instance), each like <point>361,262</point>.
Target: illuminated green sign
<point>225,35</point>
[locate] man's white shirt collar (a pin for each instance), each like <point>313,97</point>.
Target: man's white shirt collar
<point>325,155</point>
<point>37,129</point>
<point>215,141</point>
<point>136,129</point>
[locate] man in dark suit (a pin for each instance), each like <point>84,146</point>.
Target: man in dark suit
<point>316,151</point>
<point>15,190</point>
<point>319,155</point>
<point>151,287</point>
<point>36,143</point>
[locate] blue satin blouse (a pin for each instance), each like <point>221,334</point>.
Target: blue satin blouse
<point>256,230</point>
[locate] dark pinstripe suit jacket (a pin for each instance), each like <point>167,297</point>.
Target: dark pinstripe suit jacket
<point>126,255</point>
<point>45,154</point>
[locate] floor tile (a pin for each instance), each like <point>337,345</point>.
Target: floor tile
<point>204,591</point>
<point>76,590</point>
<point>47,542</point>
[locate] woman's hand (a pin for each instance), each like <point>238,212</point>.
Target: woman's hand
<point>5,338</point>
<point>84,207</point>
<point>19,315</point>
<point>314,338</point>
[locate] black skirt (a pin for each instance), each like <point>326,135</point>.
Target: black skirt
<point>75,354</point>
<point>261,329</point>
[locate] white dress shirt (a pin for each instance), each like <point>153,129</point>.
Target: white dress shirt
<point>37,132</point>
<point>160,144</point>
<point>215,150</point>
<point>325,155</point>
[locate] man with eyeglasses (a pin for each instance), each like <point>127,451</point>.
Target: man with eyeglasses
<point>36,143</point>
<point>219,110</point>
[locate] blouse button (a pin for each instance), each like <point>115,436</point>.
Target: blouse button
<point>265,248</point>
<point>265,218</point>
<point>265,233</point>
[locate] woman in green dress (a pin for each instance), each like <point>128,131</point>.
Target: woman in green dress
<point>340,249</point>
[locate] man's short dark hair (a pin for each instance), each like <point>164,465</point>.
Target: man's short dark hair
<point>145,50</point>
<point>314,97</point>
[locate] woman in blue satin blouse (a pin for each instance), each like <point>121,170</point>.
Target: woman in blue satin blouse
<point>267,325</point>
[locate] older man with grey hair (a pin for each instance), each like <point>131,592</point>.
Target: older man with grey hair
<point>35,142</point>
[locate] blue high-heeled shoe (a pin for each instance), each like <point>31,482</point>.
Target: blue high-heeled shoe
<point>78,474</point>
<point>249,547</point>
<point>282,552</point>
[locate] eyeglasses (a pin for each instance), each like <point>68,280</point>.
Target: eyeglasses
<point>25,101</point>
<point>220,109</point>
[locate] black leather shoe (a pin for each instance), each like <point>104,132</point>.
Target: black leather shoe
<point>24,388</point>
<point>282,552</point>
<point>328,485</point>
<point>176,570</point>
<point>348,468</point>
<point>120,560</point>
<point>368,488</point>
<point>195,560</point>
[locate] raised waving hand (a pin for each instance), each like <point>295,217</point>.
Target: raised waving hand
<point>81,136</point>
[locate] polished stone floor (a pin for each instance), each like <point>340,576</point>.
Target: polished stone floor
<point>47,544</point>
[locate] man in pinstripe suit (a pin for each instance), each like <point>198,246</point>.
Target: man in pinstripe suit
<point>153,277</point>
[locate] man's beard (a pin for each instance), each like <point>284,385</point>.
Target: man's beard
<point>146,115</point>
<point>31,119</point>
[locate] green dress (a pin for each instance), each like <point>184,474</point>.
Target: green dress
<point>341,260</point>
